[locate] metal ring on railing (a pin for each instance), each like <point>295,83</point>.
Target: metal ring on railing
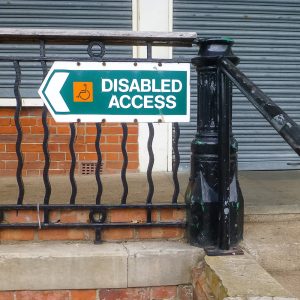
<point>98,215</point>
<point>96,50</point>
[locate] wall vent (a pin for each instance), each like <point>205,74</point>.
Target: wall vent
<point>89,168</point>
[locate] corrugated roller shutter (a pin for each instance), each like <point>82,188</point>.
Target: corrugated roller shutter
<point>267,39</point>
<point>99,14</point>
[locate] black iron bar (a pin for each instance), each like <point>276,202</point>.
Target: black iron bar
<point>91,225</point>
<point>224,161</point>
<point>19,132</point>
<point>73,164</point>
<point>97,236</point>
<point>175,162</point>
<point>86,206</point>
<point>149,51</point>
<point>125,163</point>
<point>279,120</point>
<point>149,172</point>
<point>45,140</point>
<point>99,163</point>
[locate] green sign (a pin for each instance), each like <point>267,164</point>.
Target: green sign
<point>117,92</point>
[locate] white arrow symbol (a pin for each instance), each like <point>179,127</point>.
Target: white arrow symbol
<point>53,92</point>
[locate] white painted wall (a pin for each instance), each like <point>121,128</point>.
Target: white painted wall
<point>154,15</point>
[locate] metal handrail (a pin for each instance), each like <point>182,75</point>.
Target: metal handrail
<point>71,36</point>
<point>278,118</point>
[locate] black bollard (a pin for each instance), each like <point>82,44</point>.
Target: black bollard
<point>215,203</point>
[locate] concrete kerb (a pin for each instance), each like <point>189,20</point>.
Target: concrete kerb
<point>238,278</point>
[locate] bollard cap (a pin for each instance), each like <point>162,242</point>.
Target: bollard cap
<point>214,48</point>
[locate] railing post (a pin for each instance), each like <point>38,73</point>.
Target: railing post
<point>213,196</point>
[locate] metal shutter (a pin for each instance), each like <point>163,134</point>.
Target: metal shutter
<point>267,39</point>
<point>97,14</point>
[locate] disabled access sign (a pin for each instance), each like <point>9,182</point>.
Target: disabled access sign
<point>117,92</point>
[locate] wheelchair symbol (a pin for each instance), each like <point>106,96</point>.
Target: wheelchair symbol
<point>83,91</point>
<point>84,94</point>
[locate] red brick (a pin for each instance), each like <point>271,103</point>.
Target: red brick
<point>6,295</point>
<point>8,156</point>
<point>63,130</point>
<point>81,129</point>
<point>59,138</point>
<point>133,129</point>
<point>8,138</point>
<point>132,165</point>
<point>10,147</point>
<point>91,130</point>
<point>111,148</point>
<point>64,147</point>
<point>21,216</point>
<point>87,156</point>
<point>132,156</point>
<point>58,156</point>
<point>73,216</point>
<point>8,130</point>
<point>36,129</point>
<point>132,147</point>
<point>112,156</point>
<point>163,292</point>
<point>112,130</point>
<point>33,165</point>
<point>17,234</point>
<point>29,121</point>
<point>31,156</point>
<point>5,112</point>
<point>160,232</point>
<point>8,172</point>
<point>132,138</point>
<point>42,295</point>
<point>117,234</point>
<point>53,147</point>
<point>134,215</point>
<point>91,139</point>
<point>5,121</point>
<point>83,295</point>
<point>65,234</point>
<point>11,164</point>
<point>2,147</point>
<point>33,138</point>
<point>29,111</point>
<point>185,292</point>
<point>172,214</point>
<point>112,139</point>
<point>124,294</point>
<point>32,148</point>
<point>83,148</point>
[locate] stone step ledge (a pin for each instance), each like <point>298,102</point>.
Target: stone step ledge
<point>59,266</point>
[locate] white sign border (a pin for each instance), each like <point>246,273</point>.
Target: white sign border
<point>149,66</point>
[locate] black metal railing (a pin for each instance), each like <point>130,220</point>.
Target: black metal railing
<point>96,42</point>
<point>214,200</point>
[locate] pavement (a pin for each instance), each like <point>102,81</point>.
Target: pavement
<point>272,209</point>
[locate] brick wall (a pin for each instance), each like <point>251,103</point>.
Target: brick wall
<point>33,134</point>
<point>130,215</point>
<point>180,292</point>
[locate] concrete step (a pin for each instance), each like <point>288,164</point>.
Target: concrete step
<point>56,266</point>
